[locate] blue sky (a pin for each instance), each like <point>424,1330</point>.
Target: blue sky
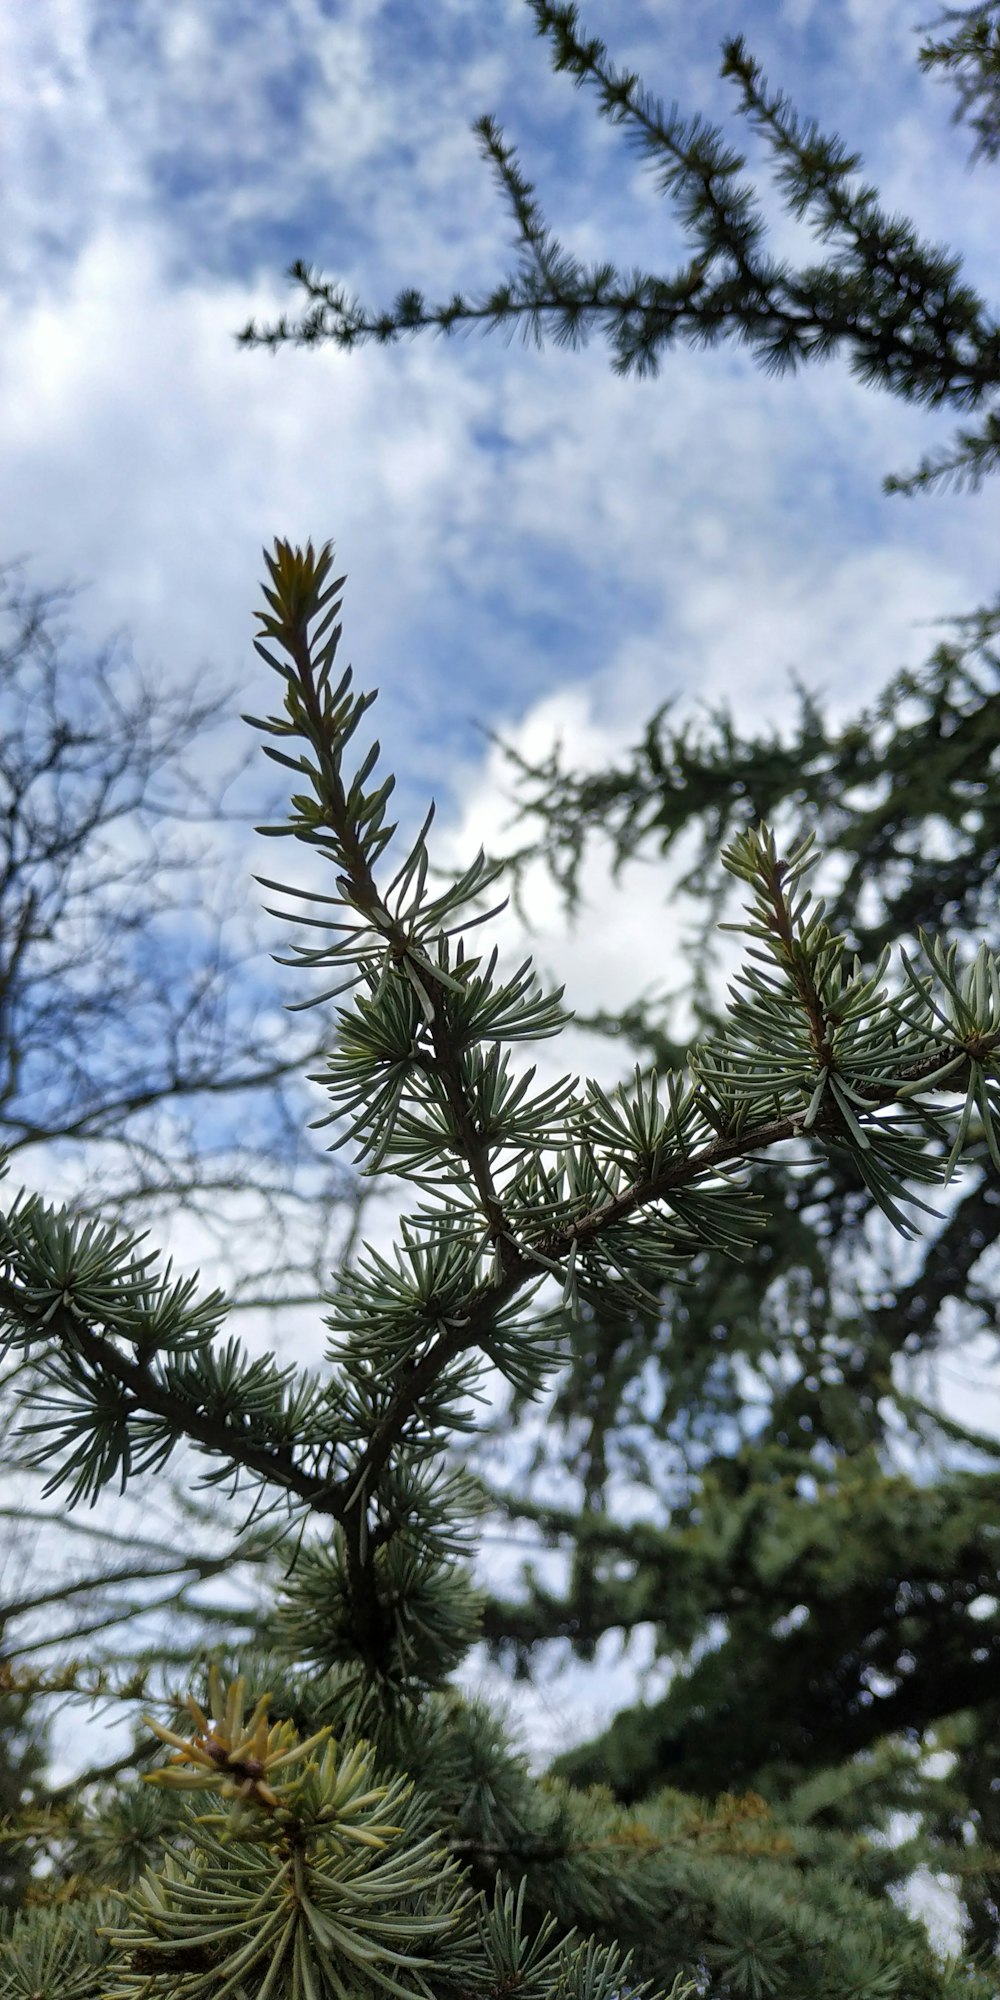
<point>531,544</point>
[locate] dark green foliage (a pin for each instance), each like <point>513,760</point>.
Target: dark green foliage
<point>844,1573</point>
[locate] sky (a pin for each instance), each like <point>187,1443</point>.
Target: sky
<point>532,545</point>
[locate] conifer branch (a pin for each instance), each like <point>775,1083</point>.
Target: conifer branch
<point>897,307</point>
<point>613,1194</point>
<point>654,1159</point>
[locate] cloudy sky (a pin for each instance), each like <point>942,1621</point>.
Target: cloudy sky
<point>527,539</point>
<point>531,544</point>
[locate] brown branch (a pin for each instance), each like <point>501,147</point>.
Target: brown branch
<point>217,1434</point>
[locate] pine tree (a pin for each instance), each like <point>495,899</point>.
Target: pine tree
<point>357,1828</point>
<point>845,1581</point>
